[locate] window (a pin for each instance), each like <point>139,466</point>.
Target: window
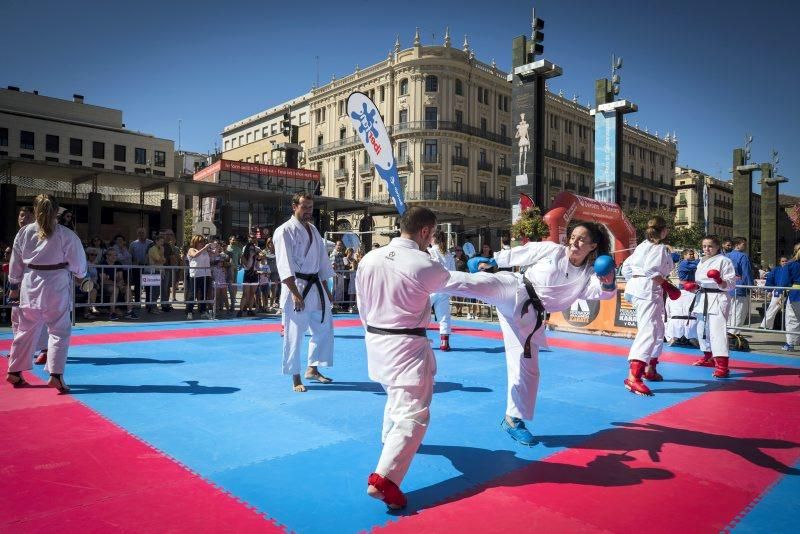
<point>459,87</point>
<point>341,107</point>
<point>274,129</point>
<point>501,192</point>
<point>457,150</point>
<point>402,151</point>
<point>457,187</point>
<point>26,140</point>
<point>319,140</point>
<point>482,156</point>
<point>505,103</point>
<point>431,84</point>
<point>364,157</point>
<point>404,86</point>
<point>642,173</point>
<point>265,157</point>
<point>25,156</point>
<point>341,162</point>
<point>51,143</point>
<point>631,169</point>
<point>302,119</point>
<point>431,154</point>
<point>403,184</point>
<point>383,93</point>
<point>247,140</point>
<point>483,125</point>
<point>247,159</point>
<point>431,116</point>
<point>241,140</point>
<point>569,150</point>
<point>342,133</point>
<point>483,187</point>
<point>119,154</point>
<point>553,146</point>
<point>159,158</point>
<point>431,185</point>
<point>139,170</point>
<point>75,162</point>
<point>98,166</point>
<point>459,117</point>
<point>367,190</point>
<point>75,147</point>
<point>480,95</point>
<point>341,192</point>
<point>3,136</point>
<point>119,167</point>
<point>51,159</point>
<point>503,131</point>
<point>583,154</point>
<point>403,116</point>
<point>500,102</point>
<point>503,161</point>
<point>140,156</point>
<point>371,95</point>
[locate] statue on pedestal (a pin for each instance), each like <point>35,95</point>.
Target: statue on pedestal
<point>524,143</point>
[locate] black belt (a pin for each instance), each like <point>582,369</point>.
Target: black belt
<point>705,306</point>
<point>687,317</point>
<point>421,332</point>
<point>313,280</point>
<point>536,302</point>
<point>54,267</point>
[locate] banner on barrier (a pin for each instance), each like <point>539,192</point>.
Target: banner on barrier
<point>615,316</point>
<point>151,280</point>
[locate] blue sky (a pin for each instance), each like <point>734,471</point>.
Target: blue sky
<point>711,71</point>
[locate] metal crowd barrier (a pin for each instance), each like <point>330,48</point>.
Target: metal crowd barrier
<point>760,297</point>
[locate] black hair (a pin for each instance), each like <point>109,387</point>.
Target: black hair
<point>599,236</point>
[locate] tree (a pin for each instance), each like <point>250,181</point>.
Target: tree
<point>530,225</point>
<point>679,237</point>
<point>794,216</point>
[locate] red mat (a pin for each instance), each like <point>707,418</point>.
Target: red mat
<point>78,472</point>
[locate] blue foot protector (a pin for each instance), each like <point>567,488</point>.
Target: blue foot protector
<point>518,432</point>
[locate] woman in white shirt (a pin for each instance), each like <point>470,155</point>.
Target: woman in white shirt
<point>199,275</point>
<point>44,258</point>
<point>556,276</point>
<point>715,274</point>
<point>646,272</point>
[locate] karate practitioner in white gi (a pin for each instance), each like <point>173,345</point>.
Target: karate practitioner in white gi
<point>44,258</point>
<point>304,269</point>
<point>24,218</point>
<point>681,326</point>
<point>441,301</point>
<point>715,275</point>
<point>393,291</point>
<point>646,272</point>
<point>556,276</point>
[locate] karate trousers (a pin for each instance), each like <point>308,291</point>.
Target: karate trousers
<point>649,340</point>
<point>739,314</point>
<point>320,346</point>
<point>793,322</point>
<point>405,421</point>
<point>32,322</point>
<point>772,311</point>
<point>712,334</point>
<point>41,344</point>
<point>441,307</point>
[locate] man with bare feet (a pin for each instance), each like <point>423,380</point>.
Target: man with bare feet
<point>304,269</point>
<point>393,291</point>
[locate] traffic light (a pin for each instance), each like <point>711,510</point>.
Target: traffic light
<point>286,124</point>
<point>537,36</point>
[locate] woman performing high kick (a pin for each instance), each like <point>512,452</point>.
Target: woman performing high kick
<point>43,260</point>
<point>646,272</point>
<point>556,276</point>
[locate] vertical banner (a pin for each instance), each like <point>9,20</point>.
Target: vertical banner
<point>705,206</point>
<point>605,164</point>
<point>369,125</point>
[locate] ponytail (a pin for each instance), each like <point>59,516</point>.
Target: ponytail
<point>45,209</point>
<point>655,226</point>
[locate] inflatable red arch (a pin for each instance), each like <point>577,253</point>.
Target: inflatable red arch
<point>567,206</point>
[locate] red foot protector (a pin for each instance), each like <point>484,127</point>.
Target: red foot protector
<point>710,467</point>
<point>391,493</point>
<point>64,468</point>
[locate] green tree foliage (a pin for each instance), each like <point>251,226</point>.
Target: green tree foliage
<point>679,237</point>
<point>530,225</point>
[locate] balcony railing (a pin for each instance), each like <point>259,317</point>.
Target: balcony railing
<point>584,190</point>
<point>504,171</point>
<point>431,158</point>
<point>632,178</point>
<point>569,159</point>
<point>634,200</point>
<point>340,173</point>
<point>555,182</point>
<point>452,196</point>
<point>339,143</point>
<point>403,161</point>
<point>461,161</point>
<point>365,168</point>
<point>485,166</point>
<point>681,220</point>
<point>571,186</point>
<point>449,126</point>
<point>680,203</point>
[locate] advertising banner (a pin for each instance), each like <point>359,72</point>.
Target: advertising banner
<point>151,280</point>
<point>369,125</point>
<point>615,317</point>
<point>605,128</point>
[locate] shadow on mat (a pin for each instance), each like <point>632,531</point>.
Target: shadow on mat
<point>483,469</point>
<point>739,381</point>
<point>193,387</point>
<point>116,361</point>
<point>348,337</point>
<point>488,350</point>
<point>651,438</point>
<point>372,387</point>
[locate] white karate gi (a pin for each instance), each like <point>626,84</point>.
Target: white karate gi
<point>712,330</point>
<point>45,296</point>
<point>441,301</point>
<point>558,284</point>
<point>43,339</point>
<point>394,284</point>
<point>677,312</point>
<point>296,253</point>
<point>648,261</point>
<point>775,305</point>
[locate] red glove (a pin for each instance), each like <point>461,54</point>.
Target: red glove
<point>691,286</point>
<point>715,276</point>
<point>672,292</point>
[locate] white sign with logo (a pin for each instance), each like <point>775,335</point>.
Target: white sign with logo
<point>151,280</point>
